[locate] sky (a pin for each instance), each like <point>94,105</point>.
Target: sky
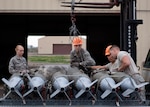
<point>33,40</point>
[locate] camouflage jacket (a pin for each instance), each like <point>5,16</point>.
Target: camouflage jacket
<point>17,64</point>
<point>83,57</point>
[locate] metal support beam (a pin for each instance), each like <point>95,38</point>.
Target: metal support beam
<point>128,23</point>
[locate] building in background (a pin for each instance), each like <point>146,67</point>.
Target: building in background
<point>56,45</point>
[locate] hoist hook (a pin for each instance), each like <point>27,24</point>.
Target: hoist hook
<point>73,29</point>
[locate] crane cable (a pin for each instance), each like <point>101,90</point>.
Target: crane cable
<point>73,29</point>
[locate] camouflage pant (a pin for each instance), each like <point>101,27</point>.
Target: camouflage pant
<point>139,79</point>
<point>119,76</point>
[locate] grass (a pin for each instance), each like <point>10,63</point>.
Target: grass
<point>50,59</point>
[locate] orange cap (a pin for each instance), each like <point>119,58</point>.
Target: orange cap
<point>107,50</point>
<point>77,41</point>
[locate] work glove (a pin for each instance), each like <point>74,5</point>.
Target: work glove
<point>85,69</point>
<point>89,67</point>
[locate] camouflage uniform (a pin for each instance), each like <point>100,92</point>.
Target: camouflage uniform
<point>83,57</point>
<point>133,72</point>
<point>117,76</point>
<point>17,64</point>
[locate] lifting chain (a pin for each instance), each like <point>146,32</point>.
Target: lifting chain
<point>73,29</point>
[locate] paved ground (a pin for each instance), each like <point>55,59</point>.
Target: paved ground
<point>74,103</point>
